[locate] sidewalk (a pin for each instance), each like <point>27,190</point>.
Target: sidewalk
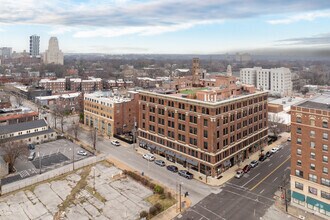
<point>294,211</point>
<point>230,173</point>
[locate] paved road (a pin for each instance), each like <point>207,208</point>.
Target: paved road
<point>246,198</point>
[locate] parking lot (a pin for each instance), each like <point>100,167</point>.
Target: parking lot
<point>50,155</point>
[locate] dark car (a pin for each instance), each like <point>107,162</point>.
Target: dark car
<point>247,168</point>
<point>268,154</point>
<point>143,145</point>
<point>262,157</point>
<point>160,163</point>
<point>31,146</point>
<point>185,174</point>
<point>172,168</point>
<point>254,163</point>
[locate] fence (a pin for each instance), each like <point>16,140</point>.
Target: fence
<point>48,175</point>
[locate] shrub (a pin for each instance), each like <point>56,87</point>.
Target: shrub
<point>158,189</point>
<point>162,196</point>
<point>143,214</point>
<point>169,195</point>
<point>153,211</point>
<point>158,206</point>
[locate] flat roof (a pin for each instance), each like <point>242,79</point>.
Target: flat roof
<point>321,102</point>
<point>286,102</point>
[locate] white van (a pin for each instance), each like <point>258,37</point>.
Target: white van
<point>32,155</point>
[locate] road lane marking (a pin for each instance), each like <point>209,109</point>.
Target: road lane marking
<point>270,164</point>
<point>262,191</point>
<point>270,173</point>
<point>275,179</point>
<point>211,212</point>
<point>200,214</point>
<point>251,179</point>
<point>254,200</point>
<point>249,192</point>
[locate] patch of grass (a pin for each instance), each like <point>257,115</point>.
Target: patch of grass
<point>96,194</point>
<point>166,202</point>
<point>190,91</point>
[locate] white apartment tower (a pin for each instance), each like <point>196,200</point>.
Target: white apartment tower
<point>53,54</point>
<point>276,80</point>
<point>34,45</point>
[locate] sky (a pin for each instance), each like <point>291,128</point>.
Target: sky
<point>166,26</point>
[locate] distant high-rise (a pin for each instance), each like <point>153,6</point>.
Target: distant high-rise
<point>229,71</point>
<point>53,54</point>
<point>5,52</point>
<point>34,45</point>
<point>196,71</point>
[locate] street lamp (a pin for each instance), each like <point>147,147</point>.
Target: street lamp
<point>39,159</point>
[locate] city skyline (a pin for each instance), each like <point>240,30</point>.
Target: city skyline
<point>125,26</point>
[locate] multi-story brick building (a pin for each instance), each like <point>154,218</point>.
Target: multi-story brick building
<point>203,129</point>
<point>111,114</point>
<point>310,178</point>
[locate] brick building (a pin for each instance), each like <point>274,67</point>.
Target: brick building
<point>111,114</point>
<point>201,133</point>
<point>310,178</point>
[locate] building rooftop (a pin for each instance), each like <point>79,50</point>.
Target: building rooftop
<point>286,102</point>
<point>22,126</point>
<point>321,102</point>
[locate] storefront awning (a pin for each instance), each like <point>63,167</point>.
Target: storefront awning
<point>170,153</point>
<point>180,157</point>
<point>298,196</point>
<point>151,146</point>
<point>192,162</point>
<point>317,203</point>
<point>227,163</point>
<point>160,149</point>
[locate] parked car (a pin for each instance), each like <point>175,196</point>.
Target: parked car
<point>269,153</point>
<point>289,139</point>
<point>31,146</point>
<point>32,155</point>
<point>172,168</point>
<point>254,163</point>
<point>185,174</point>
<point>247,168</point>
<point>82,153</point>
<point>143,145</point>
<point>262,157</point>
<point>160,163</point>
<point>149,157</point>
<point>115,143</point>
<point>274,150</point>
<point>239,174</point>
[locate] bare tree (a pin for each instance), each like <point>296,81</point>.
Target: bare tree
<point>59,113</point>
<point>274,123</point>
<point>13,150</point>
<point>75,128</point>
<point>239,159</point>
<point>93,137</point>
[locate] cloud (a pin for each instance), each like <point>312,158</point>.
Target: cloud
<point>113,18</point>
<point>310,16</point>
<point>321,40</point>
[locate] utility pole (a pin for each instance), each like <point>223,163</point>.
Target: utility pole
<point>94,180</point>
<point>180,195</point>
<point>39,160</point>
<point>73,157</point>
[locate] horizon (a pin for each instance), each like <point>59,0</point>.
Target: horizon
<point>167,27</point>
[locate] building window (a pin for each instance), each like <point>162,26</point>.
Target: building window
<point>298,130</point>
<point>298,162</point>
<point>298,151</point>
<point>312,134</point>
<point>325,181</point>
<point>205,134</point>
<point>299,185</point>
<point>312,122</point>
<point>205,145</point>
<point>312,144</point>
<point>325,159</point>
<point>312,155</point>
<point>312,190</point>
<point>299,173</point>
<point>298,141</point>
<point>298,119</point>
<point>325,195</point>
<point>325,136</point>
<point>325,147</point>
<point>205,122</point>
<point>325,170</point>
<point>312,166</point>
<point>325,124</point>
<point>312,177</point>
